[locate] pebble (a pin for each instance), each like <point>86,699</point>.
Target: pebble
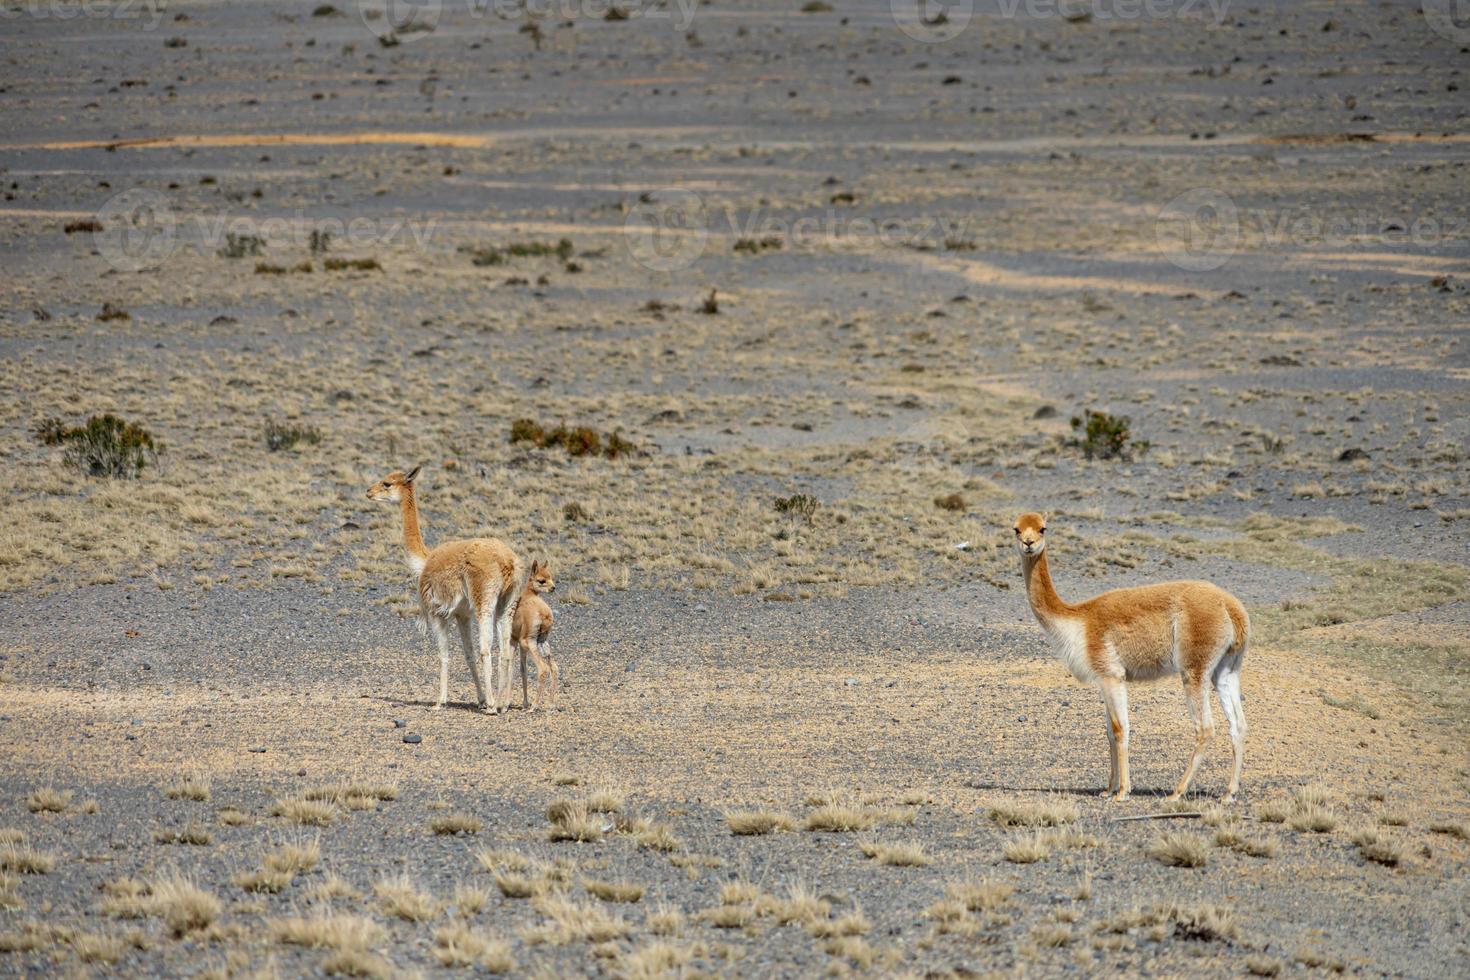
<point>400,723</point>
<point>412,739</point>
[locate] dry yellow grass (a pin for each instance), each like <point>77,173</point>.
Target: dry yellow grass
<point>1027,848</point>
<point>231,817</point>
<point>182,904</point>
<point>461,945</point>
<point>613,891</point>
<point>571,820</point>
<point>900,854</point>
<point>801,906</point>
<point>492,859</point>
<point>573,921</point>
<point>12,835</point>
<point>854,923</point>
<point>728,916</point>
<point>744,823</point>
<point>1460,828</point>
<point>1313,818</point>
<point>195,834</point>
<point>195,788</point>
<point>1180,849</point>
<point>332,887</point>
<point>470,900</point>
<point>342,933</point>
<point>653,961</point>
<point>98,947</point>
<point>10,899</point>
<point>1376,846</point>
<point>605,799</point>
<point>48,799</point>
<point>264,881</point>
<point>402,898</point>
<point>295,856</point>
<point>26,860</point>
<point>308,813</point>
<point>980,896</point>
<point>453,824</point>
<point>1020,813</point>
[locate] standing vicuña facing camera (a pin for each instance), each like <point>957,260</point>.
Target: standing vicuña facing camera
<point>1194,629</point>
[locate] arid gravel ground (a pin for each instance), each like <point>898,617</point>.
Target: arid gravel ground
<point>782,251</point>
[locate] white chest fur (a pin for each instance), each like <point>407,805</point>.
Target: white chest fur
<point>1069,642</point>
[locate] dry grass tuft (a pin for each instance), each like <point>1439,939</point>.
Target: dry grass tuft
<point>459,945</point>
<point>1027,848</point>
<point>453,824</point>
<point>980,896</point>
<point>666,920</point>
<point>493,860</point>
<point>571,820</point>
<point>1261,847</point>
<point>1051,935</point>
<point>97,947</point>
<point>195,834</point>
<point>654,961</point>
<point>1459,829</point>
<point>747,823</point>
<point>295,856</point>
<point>1262,966</point>
<point>264,881</point>
<point>840,818</point>
<point>26,860</point>
<point>855,949</point>
<point>728,916</point>
<point>470,900</point>
<point>12,835</point>
<point>801,906</point>
<point>183,905</point>
<point>656,837</point>
<point>1180,849</point>
<point>901,855</point>
<point>126,898</point>
<point>308,813</point>
<point>1378,847</point>
<point>613,891</point>
<point>1314,818</point>
<point>402,898</point>
<point>194,787</point>
<point>1052,813</point>
<point>738,892</point>
<point>1206,923</point>
<point>854,923</point>
<point>565,779</point>
<point>333,887</point>
<point>342,933</point>
<point>47,799</point>
<point>605,799</point>
<point>231,817</point>
<point>571,921</point>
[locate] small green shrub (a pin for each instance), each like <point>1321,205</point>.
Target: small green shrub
<point>361,265</point>
<point>579,441</point>
<point>1104,436</point>
<point>320,242</point>
<point>240,246</point>
<point>285,435</point>
<point>801,505</point>
<point>105,446</point>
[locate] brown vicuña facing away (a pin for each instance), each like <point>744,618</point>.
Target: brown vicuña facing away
<point>1194,629</point>
<point>480,579</point>
<point>531,633</point>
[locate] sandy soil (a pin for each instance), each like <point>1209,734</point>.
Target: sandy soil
<point>1245,229</point>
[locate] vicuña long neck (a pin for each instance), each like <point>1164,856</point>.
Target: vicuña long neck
<point>1045,602</point>
<point>413,539</point>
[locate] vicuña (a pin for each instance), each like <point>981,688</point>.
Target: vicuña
<point>479,580</point>
<point>1194,629</point>
<point>531,633</point>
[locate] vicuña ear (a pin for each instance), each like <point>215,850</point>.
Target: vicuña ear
<point>412,473</point>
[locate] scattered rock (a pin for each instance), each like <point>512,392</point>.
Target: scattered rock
<point>412,739</point>
<point>1350,455</point>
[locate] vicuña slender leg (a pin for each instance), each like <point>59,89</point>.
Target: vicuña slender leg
<point>1112,753</point>
<point>1227,686</point>
<point>471,657</point>
<point>506,610</point>
<point>1204,730</point>
<point>553,670</point>
<point>487,658</point>
<point>441,636</point>
<point>525,681</point>
<point>1115,693</point>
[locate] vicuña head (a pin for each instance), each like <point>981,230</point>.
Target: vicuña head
<point>540,582</point>
<point>391,486</point>
<point>1193,629</point>
<point>1031,533</point>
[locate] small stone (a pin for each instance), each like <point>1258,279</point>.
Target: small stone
<point>400,723</point>
<point>412,739</point>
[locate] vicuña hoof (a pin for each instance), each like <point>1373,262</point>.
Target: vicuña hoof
<point>1228,798</point>
<point>1120,796</point>
<point>438,707</point>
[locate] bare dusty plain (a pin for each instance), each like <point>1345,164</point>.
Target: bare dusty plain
<point>826,283</point>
